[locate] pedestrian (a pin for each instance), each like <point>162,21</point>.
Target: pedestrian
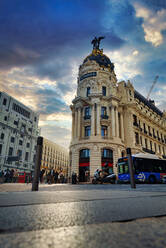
<point>56,177</point>
<point>52,175</point>
<point>1,176</point>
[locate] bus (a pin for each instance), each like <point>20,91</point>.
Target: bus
<point>148,168</point>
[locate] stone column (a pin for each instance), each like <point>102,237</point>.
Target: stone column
<point>79,123</point>
<point>81,116</point>
<point>117,122</point>
<point>113,121</point>
<point>122,126</point>
<point>109,125</point>
<point>73,118</point>
<point>93,121</point>
<point>98,119</point>
<point>75,124</point>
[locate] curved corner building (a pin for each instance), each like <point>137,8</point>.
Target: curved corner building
<point>108,117</point>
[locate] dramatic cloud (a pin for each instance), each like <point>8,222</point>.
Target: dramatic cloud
<point>153,25</point>
<point>43,43</point>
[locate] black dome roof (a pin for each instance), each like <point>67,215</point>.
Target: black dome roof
<point>101,59</point>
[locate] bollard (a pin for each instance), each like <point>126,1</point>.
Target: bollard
<point>131,169</point>
<point>35,183</point>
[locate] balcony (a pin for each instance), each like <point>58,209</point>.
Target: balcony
<point>148,150</point>
<point>87,117</point>
<point>104,117</point>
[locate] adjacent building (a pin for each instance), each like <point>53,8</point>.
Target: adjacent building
<point>54,157</point>
<point>109,116</point>
<point>18,134</point>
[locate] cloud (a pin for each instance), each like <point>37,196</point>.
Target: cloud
<point>59,135</point>
<point>153,23</point>
<point>31,33</point>
<point>125,61</point>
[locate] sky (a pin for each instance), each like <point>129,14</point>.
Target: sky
<point>42,44</point>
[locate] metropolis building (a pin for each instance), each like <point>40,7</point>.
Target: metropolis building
<point>110,116</point>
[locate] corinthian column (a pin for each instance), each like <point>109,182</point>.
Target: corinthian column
<point>113,121</point>
<point>93,121</point>
<point>117,122</point>
<point>79,122</point>
<point>122,127</point>
<point>75,126</point>
<point>98,120</point>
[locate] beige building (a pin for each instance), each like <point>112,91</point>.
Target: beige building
<point>109,116</point>
<point>54,156</point>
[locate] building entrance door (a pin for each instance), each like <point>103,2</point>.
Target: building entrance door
<point>84,165</point>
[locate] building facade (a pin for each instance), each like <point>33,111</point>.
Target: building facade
<point>108,117</point>
<point>54,157</point>
<point>18,134</point>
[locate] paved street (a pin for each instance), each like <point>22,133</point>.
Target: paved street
<point>83,216</point>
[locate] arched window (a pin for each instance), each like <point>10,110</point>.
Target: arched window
<point>107,153</point>
<point>85,153</point>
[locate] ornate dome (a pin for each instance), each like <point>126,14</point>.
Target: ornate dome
<point>100,58</point>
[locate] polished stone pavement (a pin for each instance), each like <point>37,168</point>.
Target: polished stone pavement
<point>83,216</point>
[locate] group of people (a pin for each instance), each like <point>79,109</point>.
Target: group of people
<point>52,176</point>
<point>8,176</point>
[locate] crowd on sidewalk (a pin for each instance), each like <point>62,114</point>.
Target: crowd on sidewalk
<point>52,176</point>
<point>8,176</point>
<point>15,176</point>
